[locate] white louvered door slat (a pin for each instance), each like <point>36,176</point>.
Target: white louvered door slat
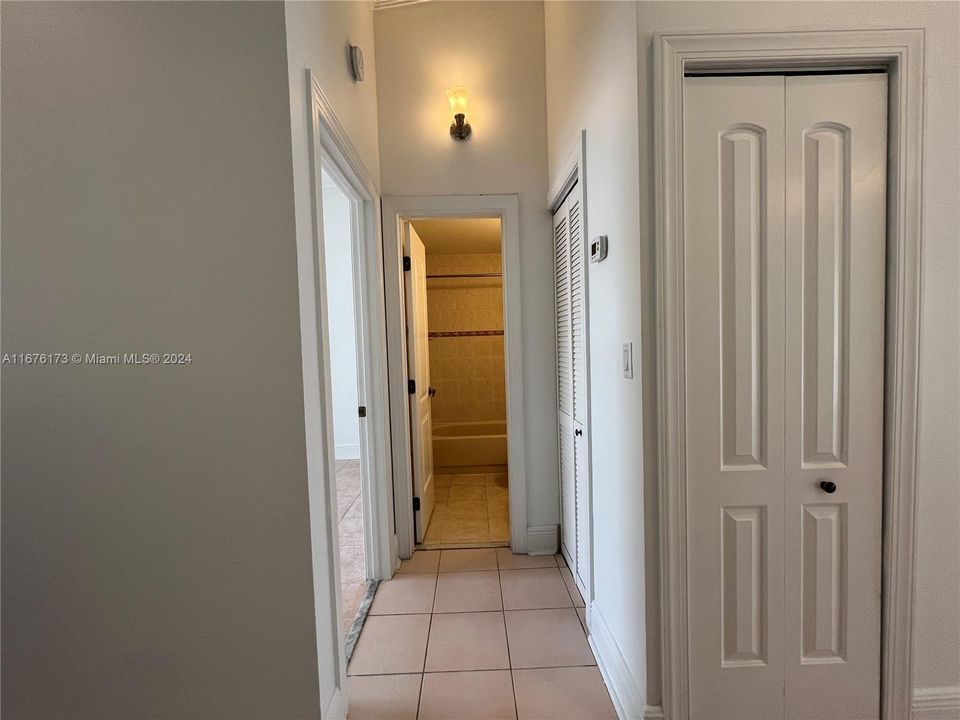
<point>578,383</point>
<point>567,458</point>
<point>571,307</point>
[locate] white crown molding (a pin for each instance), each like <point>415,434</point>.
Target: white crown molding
<point>387,4</point>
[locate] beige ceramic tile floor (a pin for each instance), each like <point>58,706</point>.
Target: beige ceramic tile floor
<point>350,517</point>
<point>470,509</point>
<point>478,633</point>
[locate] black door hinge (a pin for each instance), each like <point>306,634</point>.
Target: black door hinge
<point>416,504</point>
<point>406,263</point>
<point>362,411</point>
<point>412,387</point>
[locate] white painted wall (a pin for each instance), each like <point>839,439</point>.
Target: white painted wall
<point>343,333</point>
<point>591,84</point>
<point>156,545</point>
<point>318,37</point>
<point>589,53</point>
<point>496,50</point>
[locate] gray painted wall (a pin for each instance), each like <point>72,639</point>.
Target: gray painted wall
<point>156,542</point>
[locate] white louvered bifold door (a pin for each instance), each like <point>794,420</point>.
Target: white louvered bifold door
<point>568,518</point>
<point>578,353</point>
<point>573,410</point>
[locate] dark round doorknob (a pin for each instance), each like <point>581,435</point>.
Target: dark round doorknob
<point>827,486</point>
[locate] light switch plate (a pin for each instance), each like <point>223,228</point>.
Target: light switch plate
<point>628,360</point>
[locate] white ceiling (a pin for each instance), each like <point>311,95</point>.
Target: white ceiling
<point>453,236</point>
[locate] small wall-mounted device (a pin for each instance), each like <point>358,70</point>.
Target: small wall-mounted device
<point>628,360</point>
<point>356,63</point>
<point>598,248</point>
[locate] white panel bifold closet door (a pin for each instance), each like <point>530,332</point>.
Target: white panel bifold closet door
<point>570,267</point>
<point>784,204</point>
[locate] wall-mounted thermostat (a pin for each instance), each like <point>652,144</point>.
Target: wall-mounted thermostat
<point>598,248</point>
<point>356,63</point>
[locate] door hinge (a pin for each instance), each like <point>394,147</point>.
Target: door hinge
<point>416,504</point>
<point>412,387</point>
<point>406,263</point>
<point>362,411</point>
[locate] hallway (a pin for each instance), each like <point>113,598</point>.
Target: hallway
<point>477,633</point>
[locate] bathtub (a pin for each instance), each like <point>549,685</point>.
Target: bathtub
<point>463,447</point>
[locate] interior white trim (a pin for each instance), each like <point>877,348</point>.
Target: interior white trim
<point>625,691</point>
<point>397,210</point>
<point>936,703</point>
<point>331,146</point>
<point>542,539</point>
<point>337,707</point>
<point>573,171</point>
<point>387,4</point>
<point>901,53</point>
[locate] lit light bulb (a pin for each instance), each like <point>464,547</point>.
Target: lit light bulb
<point>458,99</point>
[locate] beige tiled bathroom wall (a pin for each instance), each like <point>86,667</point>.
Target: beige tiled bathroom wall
<point>467,372</point>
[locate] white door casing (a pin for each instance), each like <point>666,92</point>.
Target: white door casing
<point>901,53</point>
<point>397,211</point>
<point>784,222</point>
<point>418,363</point>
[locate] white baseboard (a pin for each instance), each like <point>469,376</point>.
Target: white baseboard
<point>543,539</point>
<point>347,452</point>
<point>937,703</point>
<point>653,712</point>
<point>626,694</point>
<point>337,708</point>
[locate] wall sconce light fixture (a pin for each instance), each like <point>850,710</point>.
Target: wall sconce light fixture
<point>459,128</point>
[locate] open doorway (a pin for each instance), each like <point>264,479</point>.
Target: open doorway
<point>458,407</point>
<point>346,376</point>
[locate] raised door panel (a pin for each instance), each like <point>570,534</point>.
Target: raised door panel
<point>825,154</point>
<point>835,219</point>
<point>743,297</point>
<point>733,254</point>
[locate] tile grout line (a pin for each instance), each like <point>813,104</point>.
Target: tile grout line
<point>451,672</point>
<point>506,638</point>
<point>426,648</point>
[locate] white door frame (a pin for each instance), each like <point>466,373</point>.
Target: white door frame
<point>331,149</point>
<point>570,173</point>
<point>901,53</point>
<point>396,211</point>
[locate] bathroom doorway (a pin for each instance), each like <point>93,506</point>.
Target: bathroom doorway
<point>407,335</point>
<point>454,297</point>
